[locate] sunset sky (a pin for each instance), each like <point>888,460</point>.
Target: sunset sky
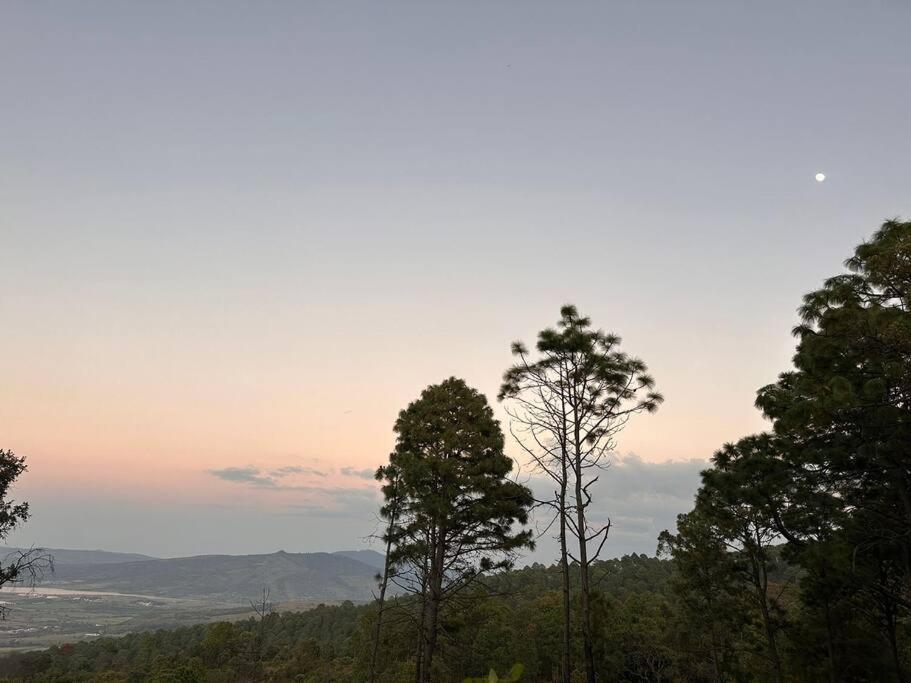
<point>236,239</point>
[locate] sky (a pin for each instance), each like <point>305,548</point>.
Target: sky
<point>237,238</point>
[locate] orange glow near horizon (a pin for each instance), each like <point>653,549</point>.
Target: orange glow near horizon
<point>159,432</point>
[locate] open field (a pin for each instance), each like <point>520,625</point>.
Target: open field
<point>95,593</point>
<point>43,617</point>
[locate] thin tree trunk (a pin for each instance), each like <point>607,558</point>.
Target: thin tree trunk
<point>896,657</point>
<point>419,659</point>
<point>420,654</point>
<point>381,602</point>
<point>584,590</point>
<point>430,639</point>
<point>713,635</point>
<point>432,606</point>
<point>564,559</point>
<point>564,569</point>
<point>893,646</point>
<point>771,640</point>
<point>715,663</point>
<point>761,583</point>
<point>830,645</point>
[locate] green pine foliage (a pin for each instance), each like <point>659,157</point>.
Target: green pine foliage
<point>454,514</point>
<point>793,565</point>
<point>513,618</point>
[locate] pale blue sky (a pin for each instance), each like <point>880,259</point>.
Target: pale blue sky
<point>246,234</point>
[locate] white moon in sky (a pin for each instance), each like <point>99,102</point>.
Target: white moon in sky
<point>820,177</point>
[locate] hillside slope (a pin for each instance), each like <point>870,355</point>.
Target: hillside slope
<point>369,557</point>
<point>64,556</point>
<point>288,576</point>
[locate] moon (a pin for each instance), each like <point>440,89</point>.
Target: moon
<point>820,177</point>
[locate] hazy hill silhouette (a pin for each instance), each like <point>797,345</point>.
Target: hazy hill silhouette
<point>63,556</point>
<point>289,576</point>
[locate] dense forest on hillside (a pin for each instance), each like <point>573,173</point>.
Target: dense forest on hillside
<point>513,618</point>
<point>794,563</point>
<point>645,632</point>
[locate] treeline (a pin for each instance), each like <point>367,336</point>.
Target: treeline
<point>513,618</point>
<point>643,632</point>
<point>831,479</point>
<point>827,490</point>
<point>794,564</point>
<point>315,645</point>
<point>454,515</point>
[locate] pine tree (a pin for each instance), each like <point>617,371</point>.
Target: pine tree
<point>457,511</point>
<point>844,415</point>
<point>707,591</point>
<point>569,406</point>
<point>391,477</point>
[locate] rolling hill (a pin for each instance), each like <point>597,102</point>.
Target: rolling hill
<point>369,557</point>
<point>305,577</point>
<point>63,556</point>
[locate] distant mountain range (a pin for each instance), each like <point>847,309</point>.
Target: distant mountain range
<point>369,557</point>
<point>306,577</point>
<point>64,556</point>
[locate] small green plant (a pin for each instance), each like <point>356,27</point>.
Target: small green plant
<point>515,674</point>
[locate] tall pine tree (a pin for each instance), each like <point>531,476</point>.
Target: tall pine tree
<point>457,512</point>
<point>569,404</point>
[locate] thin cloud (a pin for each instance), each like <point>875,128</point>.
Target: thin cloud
<point>295,469</point>
<point>318,499</point>
<point>244,475</point>
<point>641,499</point>
<point>266,479</point>
<point>362,474</point>
<point>360,503</point>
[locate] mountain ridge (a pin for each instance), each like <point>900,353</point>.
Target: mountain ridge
<point>319,576</point>
<point>80,556</point>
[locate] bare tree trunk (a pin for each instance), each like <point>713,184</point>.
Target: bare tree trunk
<point>564,569</point>
<point>262,608</point>
<point>770,639</point>
<point>419,659</point>
<point>381,602</point>
<point>585,592</point>
<point>891,632</point>
<point>584,587</point>
<point>432,606</point>
<point>578,395</point>
<point>761,583</point>
<point>713,635</point>
<point>896,656</point>
<point>830,645</point>
<point>420,654</point>
<point>715,663</point>
<point>563,437</point>
<point>430,639</point>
